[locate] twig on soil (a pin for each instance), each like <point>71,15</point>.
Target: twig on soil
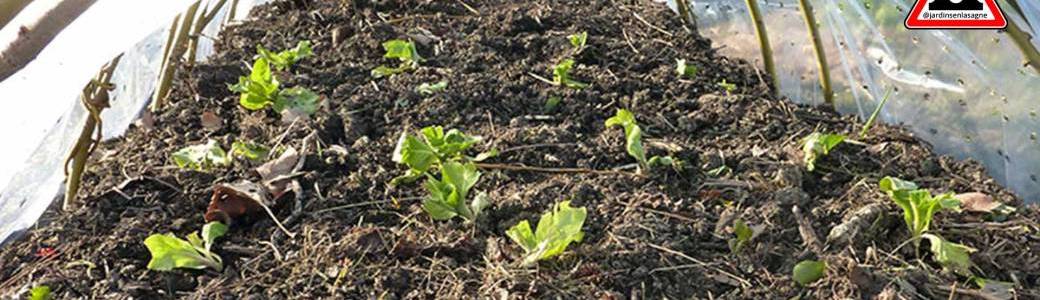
<point>652,26</point>
<point>360,204</point>
<point>543,79</point>
<point>532,146</point>
<point>554,170</point>
<point>469,8</point>
<point>809,238</point>
<point>629,41</point>
<point>966,292</point>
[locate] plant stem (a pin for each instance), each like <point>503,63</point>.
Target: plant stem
<point>821,57</point>
<point>11,8</point>
<point>1023,41</point>
<point>684,12</point>
<point>763,41</point>
<point>873,116</point>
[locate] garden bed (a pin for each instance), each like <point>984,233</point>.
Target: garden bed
<point>661,234</point>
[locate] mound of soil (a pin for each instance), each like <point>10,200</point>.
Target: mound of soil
<point>661,235</point>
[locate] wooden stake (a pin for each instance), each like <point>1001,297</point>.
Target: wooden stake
<point>821,57</point>
<point>94,98</point>
<point>763,41</point>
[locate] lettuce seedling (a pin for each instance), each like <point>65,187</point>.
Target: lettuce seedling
<point>448,195</point>
<point>427,89</point>
<point>729,87</point>
<point>952,256</point>
<point>201,157</point>
<point>557,228</point>
<point>259,89</point>
<point>634,141</point>
<point>685,70</point>
<point>169,252</point>
<point>435,147</point>
<point>403,51</point>
<point>285,59</point>
<point>578,41</point>
<point>42,292</point>
<point>250,151</point>
<point>742,233</point>
<point>562,75</point>
<point>817,145</point>
<point>918,204</point>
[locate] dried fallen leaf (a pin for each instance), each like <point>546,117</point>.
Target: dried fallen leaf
<point>146,121</point>
<point>211,121</point>
<point>977,202</point>
<point>277,174</point>
<point>232,203</point>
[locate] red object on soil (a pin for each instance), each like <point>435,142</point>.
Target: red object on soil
<point>45,252</point>
<point>229,204</point>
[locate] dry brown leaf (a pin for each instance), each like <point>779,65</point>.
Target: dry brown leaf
<point>277,174</point>
<point>146,121</point>
<point>211,121</point>
<point>977,202</point>
<point>234,203</point>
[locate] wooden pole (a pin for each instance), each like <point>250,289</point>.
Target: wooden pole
<point>95,98</point>
<point>32,39</point>
<point>9,9</point>
<point>821,57</point>
<point>763,41</point>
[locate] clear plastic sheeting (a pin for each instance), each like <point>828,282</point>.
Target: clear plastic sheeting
<point>40,180</point>
<point>967,92</point>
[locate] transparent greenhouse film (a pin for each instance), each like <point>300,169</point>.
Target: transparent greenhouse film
<point>966,92</point>
<point>40,180</point>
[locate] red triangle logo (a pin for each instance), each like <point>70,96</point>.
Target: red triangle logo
<point>966,14</point>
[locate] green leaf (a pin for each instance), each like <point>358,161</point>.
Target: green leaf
<point>201,157</point>
<point>297,98</point>
<point>919,207</point>
<point>633,135</point>
<point>283,60</point>
<point>809,271</point>
<point>402,50</point>
<point>551,103</point>
<point>561,75</point>
<point>685,70</point>
<point>557,229</point>
<point>952,256</point>
<point>743,235</point>
<point>817,145</point>
<point>42,292</point>
<point>578,40</point>
<point>211,231</point>
<point>249,150</point>
<point>259,89</point>
<point>414,153</point>
<point>169,252</point>
<point>427,89</point>
<point>448,195</point>
<point>729,87</point>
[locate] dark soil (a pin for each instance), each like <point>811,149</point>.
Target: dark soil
<point>663,235</point>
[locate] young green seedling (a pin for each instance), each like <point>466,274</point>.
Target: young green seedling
<point>434,148</point>
<point>578,40</point>
<point>817,145</point>
<point>285,59</point>
<point>918,204</point>
<point>262,89</point>
<point>952,256</point>
<point>557,229</point>
<point>169,251</point>
<point>634,141</point>
<point>729,87</point>
<point>249,150</point>
<point>42,292</point>
<point>562,75</point>
<point>448,195</point>
<point>685,70</point>
<point>201,157</point>
<point>742,233</point>
<point>401,50</point>
<point>427,89</point>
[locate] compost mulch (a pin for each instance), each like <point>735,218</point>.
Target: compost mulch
<point>664,234</point>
